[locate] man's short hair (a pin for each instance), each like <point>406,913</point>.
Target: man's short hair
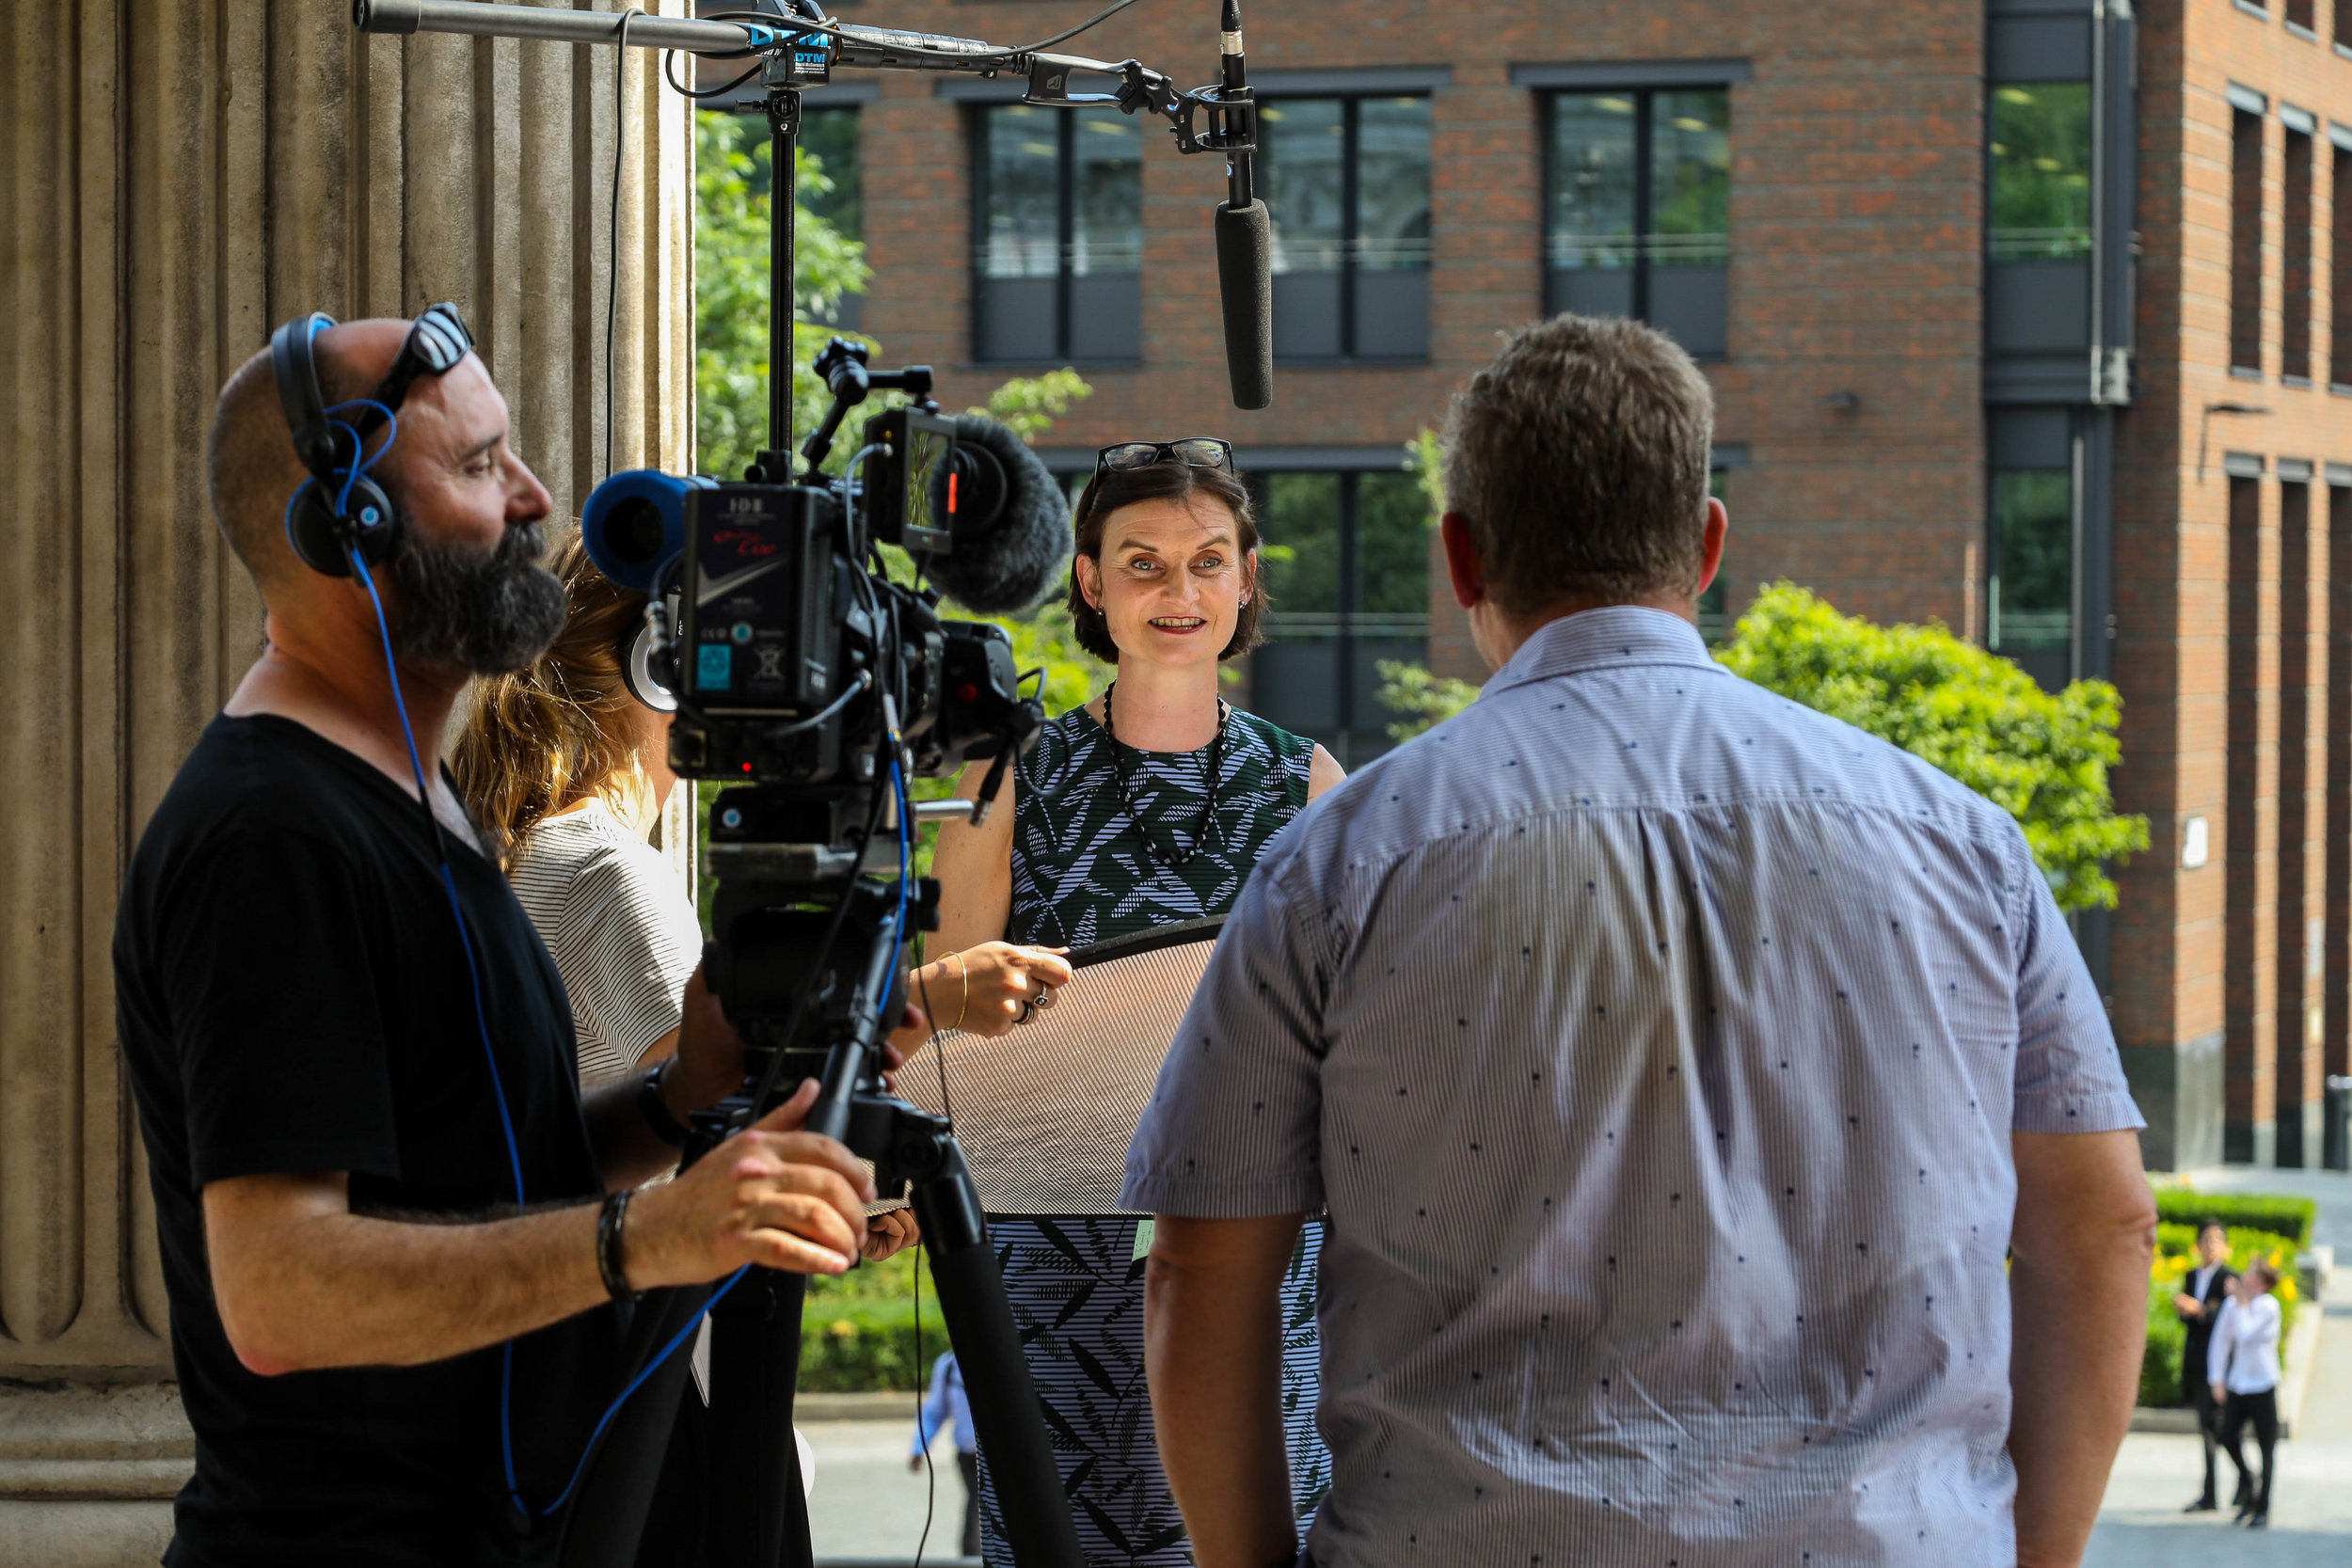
<point>251,469</point>
<point>2209,1223</point>
<point>1578,458</point>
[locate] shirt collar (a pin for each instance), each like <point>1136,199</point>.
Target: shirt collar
<point>1617,636</point>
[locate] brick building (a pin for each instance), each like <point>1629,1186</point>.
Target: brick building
<point>2021,315</point>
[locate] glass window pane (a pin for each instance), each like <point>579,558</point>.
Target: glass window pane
<point>1392,184</point>
<point>1107,228</point>
<point>1591,206</point>
<point>1021,223</point>
<point>1690,178</point>
<point>2034,533</point>
<point>829,138</point>
<point>1303,141</point>
<point>1393,551</point>
<point>2040,172</point>
<point>1299,545</point>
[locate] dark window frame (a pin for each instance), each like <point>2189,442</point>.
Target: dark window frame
<point>1645,195</point>
<point>1355,738</point>
<point>2247,158</point>
<point>1351,103</point>
<point>1065,234</point>
<point>2295,212</point>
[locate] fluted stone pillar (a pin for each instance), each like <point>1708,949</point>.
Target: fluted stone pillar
<point>179,176</point>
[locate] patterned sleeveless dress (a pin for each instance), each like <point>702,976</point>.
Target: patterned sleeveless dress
<point>1081,876</point>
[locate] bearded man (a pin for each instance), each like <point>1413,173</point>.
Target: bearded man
<point>392,1258</point>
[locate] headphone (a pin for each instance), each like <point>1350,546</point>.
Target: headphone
<point>338,509</point>
<point>648,679</point>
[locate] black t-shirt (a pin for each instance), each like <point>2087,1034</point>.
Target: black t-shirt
<point>292,996</point>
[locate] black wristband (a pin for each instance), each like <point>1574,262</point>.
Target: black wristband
<point>608,1221</point>
<point>656,1110</point>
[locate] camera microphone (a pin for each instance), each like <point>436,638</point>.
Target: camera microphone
<point>1009,518</point>
<point>1244,240</point>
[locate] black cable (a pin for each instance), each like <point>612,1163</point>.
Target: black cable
<point>612,274</point>
<point>667,76</point>
<point>931,1472</point>
<point>1003,56</point>
<point>1100,16</point>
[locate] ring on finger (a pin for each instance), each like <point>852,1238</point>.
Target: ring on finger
<point>1044,995</point>
<point>1027,1013</point>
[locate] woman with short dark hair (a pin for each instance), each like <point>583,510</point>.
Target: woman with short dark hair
<point>1145,807</point>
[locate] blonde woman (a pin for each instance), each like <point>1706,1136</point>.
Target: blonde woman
<point>566,772</point>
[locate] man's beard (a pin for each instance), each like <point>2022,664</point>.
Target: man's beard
<point>492,612</point>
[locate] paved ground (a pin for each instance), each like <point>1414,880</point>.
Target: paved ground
<point>867,1506</point>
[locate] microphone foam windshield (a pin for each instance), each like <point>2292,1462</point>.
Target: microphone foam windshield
<point>1009,555</point>
<point>1245,282</point>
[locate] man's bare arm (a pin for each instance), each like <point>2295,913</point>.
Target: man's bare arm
<point>2078,1295</point>
<point>303,1283</point>
<point>1212,1351</point>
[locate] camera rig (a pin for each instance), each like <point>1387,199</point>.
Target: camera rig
<point>821,689</point>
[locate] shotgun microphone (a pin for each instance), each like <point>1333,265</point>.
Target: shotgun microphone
<point>1244,235</point>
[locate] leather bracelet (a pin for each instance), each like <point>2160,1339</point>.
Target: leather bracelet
<point>656,1110</point>
<point>608,1221</point>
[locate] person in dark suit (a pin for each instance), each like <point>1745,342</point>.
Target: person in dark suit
<point>2200,1302</point>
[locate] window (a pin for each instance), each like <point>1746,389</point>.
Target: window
<point>828,137</point>
<point>2303,16</point>
<point>2040,172</point>
<point>2029,597</point>
<point>1638,209</point>
<point>2246,241</point>
<point>2339,274</point>
<point>1058,246</point>
<point>1346,560</point>
<point>2294,303</point>
<point>1347,180</point>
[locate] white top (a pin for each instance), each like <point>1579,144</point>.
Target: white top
<point>620,927</point>
<point>2243,1354</point>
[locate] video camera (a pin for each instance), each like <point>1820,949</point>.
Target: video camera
<point>801,670</point>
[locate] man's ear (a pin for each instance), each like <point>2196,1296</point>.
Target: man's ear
<point>1461,561</point>
<point>1711,546</point>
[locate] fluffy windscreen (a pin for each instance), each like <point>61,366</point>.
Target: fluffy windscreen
<point>1008,561</point>
<point>1045,1113</point>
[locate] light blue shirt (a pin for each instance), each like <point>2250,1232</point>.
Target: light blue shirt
<point>945,1408</point>
<point>1655,1043</point>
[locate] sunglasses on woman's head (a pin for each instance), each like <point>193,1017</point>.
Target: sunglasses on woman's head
<point>1195,451</point>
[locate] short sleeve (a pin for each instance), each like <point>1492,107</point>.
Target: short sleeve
<point>267,973</point>
<point>2070,1078</point>
<point>630,943</point>
<point>1233,1130</point>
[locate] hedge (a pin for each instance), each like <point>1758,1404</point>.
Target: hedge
<point>2289,1217</point>
<point>858,1346</point>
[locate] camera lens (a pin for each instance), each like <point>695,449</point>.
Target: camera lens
<point>635,533</point>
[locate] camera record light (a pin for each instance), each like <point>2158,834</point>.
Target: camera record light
<point>634,525</point>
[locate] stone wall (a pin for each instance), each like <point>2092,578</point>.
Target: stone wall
<point>180,177</point>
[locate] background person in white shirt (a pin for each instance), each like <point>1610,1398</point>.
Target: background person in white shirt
<point>2199,1303</point>
<point>2243,1365</point>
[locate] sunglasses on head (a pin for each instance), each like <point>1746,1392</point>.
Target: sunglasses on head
<point>1197,452</point>
<point>437,339</point>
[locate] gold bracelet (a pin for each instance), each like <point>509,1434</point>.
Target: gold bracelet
<point>963,975</point>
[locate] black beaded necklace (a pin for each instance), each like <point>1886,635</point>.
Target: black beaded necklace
<point>1127,787</point>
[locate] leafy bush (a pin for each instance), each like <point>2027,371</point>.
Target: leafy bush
<point>1427,700</point>
<point>2041,757</point>
<point>858,1329</point>
<point>2278,1214</point>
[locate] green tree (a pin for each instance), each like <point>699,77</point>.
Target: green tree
<point>2042,756</point>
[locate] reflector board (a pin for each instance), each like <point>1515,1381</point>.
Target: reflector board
<point>1045,1112</point>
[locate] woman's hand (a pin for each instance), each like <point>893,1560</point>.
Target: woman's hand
<point>889,1234</point>
<point>988,989</point>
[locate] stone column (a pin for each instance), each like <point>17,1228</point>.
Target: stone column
<point>181,176</point>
